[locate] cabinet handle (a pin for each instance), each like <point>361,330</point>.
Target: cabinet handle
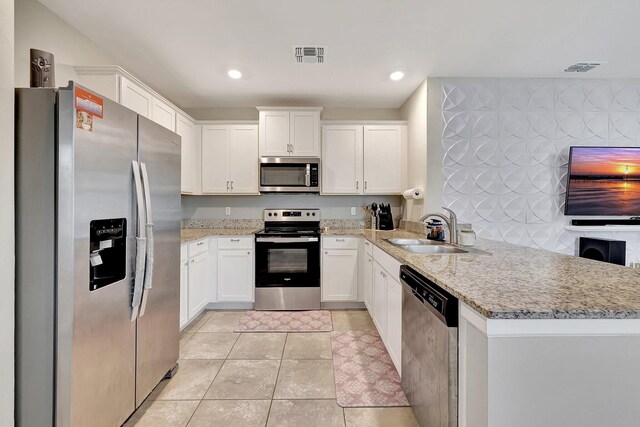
<point>339,240</point>
<point>357,185</point>
<point>200,243</point>
<point>235,240</point>
<point>365,185</point>
<point>326,252</point>
<point>231,185</point>
<point>248,253</point>
<point>192,261</point>
<point>367,243</point>
<point>227,185</point>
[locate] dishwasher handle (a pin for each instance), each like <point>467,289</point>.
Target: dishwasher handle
<point>440,302</point>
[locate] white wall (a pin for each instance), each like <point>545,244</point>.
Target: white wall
<point>7,246</point>
<point>414,111</point>
<point>252,207</point>
<point>38,27</point>
<point>250,113</point>
<point>503,151</point>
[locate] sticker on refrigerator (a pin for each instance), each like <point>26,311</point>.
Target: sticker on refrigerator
<point>84,120</point>
<point>89,103</point>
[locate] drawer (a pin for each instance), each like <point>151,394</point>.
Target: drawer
<point>368,247</point>
<point>235,243</point>
<point>198,247</point>
<point>184,252</point>
<point>339,242</point>
<point>387,262</point>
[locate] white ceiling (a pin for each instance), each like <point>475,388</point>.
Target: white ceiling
<point>184,48</point>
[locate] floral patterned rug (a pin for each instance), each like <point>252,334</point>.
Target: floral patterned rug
<point>285,321</point>
<point>364,373</point>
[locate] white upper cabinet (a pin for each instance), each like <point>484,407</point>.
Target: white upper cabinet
<point>135,97</point>
<point>229,159</point>
<point>243,159</point>
<point>163,114</point>
<point>289,132</point>
<point>359,159</point>
<point>274,133</point>
<point>384,164</point>
<point>342,159</point>
<point>214,159</point>
<point>304,136</point>
<point>190,133</point>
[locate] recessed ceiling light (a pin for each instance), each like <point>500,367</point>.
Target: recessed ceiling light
<point>234,74</point>
<point>396,75</point>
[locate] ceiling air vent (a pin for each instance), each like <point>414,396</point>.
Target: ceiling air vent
<point>582,67</point>
<point>309,55</point>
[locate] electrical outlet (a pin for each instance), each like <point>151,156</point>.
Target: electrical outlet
<point>227,210</point>
<point>636,265</point>
<point>353,211</point>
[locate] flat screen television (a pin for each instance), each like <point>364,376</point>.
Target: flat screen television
<point>603,181</point>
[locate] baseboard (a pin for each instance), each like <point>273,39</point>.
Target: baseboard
<point>341,305</point>
<point>230,306</point>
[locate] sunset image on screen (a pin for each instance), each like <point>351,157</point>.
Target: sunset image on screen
<point>621,162</point>
<point>604,181</point>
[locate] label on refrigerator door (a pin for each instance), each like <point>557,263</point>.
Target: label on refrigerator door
<point>91,104</point>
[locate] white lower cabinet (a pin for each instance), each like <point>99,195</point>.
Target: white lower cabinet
<point>368,281</point>
<point>383,298</point>
<point>379,314</point>
<point>236,276</point>
<point>184,286</point>
<point>394,321</point>
<point>198,279</point>
<point>339,269</point>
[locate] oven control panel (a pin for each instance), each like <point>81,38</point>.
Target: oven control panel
<point>292,214</point>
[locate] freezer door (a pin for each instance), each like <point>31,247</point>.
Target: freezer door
<point>159,319</point>
<point>96,239</point>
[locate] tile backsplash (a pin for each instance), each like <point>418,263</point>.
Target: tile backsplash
<point>505,145</point>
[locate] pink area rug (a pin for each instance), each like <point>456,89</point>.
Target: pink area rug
<point>365,375</point>
<point>286,321</point>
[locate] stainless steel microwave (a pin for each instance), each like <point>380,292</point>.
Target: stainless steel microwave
<point>289,175</point>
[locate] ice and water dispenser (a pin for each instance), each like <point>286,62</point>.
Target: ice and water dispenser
<point>107,252</point>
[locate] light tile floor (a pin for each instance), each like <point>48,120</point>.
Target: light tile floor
<point>233,379</point>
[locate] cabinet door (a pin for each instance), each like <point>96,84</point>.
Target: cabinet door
<point>342,160</point>
<point>340,275</point>
<point>197,293</point>
<point>243,159</point>
<point>235,275</point>
<point>135,98</point>
<point>190,162</point>
<point>163,114</point>
<point>274,133</point>
<point>304,133</point>
<point>368,282</point>
<point>383,151</point>
<point>380,299</point>
<point>214,160</point>
<point>394,321</point>
<point>184,294</point>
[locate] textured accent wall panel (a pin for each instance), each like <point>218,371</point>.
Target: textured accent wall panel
<point>506,148</point>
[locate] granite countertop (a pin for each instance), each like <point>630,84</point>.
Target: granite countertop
<point>190,234</point>
<point>516,282</point>
<point>513,282</point>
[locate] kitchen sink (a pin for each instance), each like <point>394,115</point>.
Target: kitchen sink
<point>421,242</point>
<point>435,249</point>
<point>432,247</point>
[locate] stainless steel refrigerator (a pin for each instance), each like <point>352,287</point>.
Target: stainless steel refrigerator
<point>97,257</point>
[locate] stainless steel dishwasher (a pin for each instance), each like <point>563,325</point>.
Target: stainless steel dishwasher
<point>429,350</point>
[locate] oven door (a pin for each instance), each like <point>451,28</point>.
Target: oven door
<point>287,262</point>
<point>289,175</point>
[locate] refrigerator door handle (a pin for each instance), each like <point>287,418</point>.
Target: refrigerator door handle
<point>141,243</point>
<point>148,272</point>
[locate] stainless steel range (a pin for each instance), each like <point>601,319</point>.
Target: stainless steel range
<point>288,260</point>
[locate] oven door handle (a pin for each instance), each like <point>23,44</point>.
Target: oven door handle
<point>286,239</point>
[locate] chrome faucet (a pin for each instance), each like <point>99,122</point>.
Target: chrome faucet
<point>452,223</point>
